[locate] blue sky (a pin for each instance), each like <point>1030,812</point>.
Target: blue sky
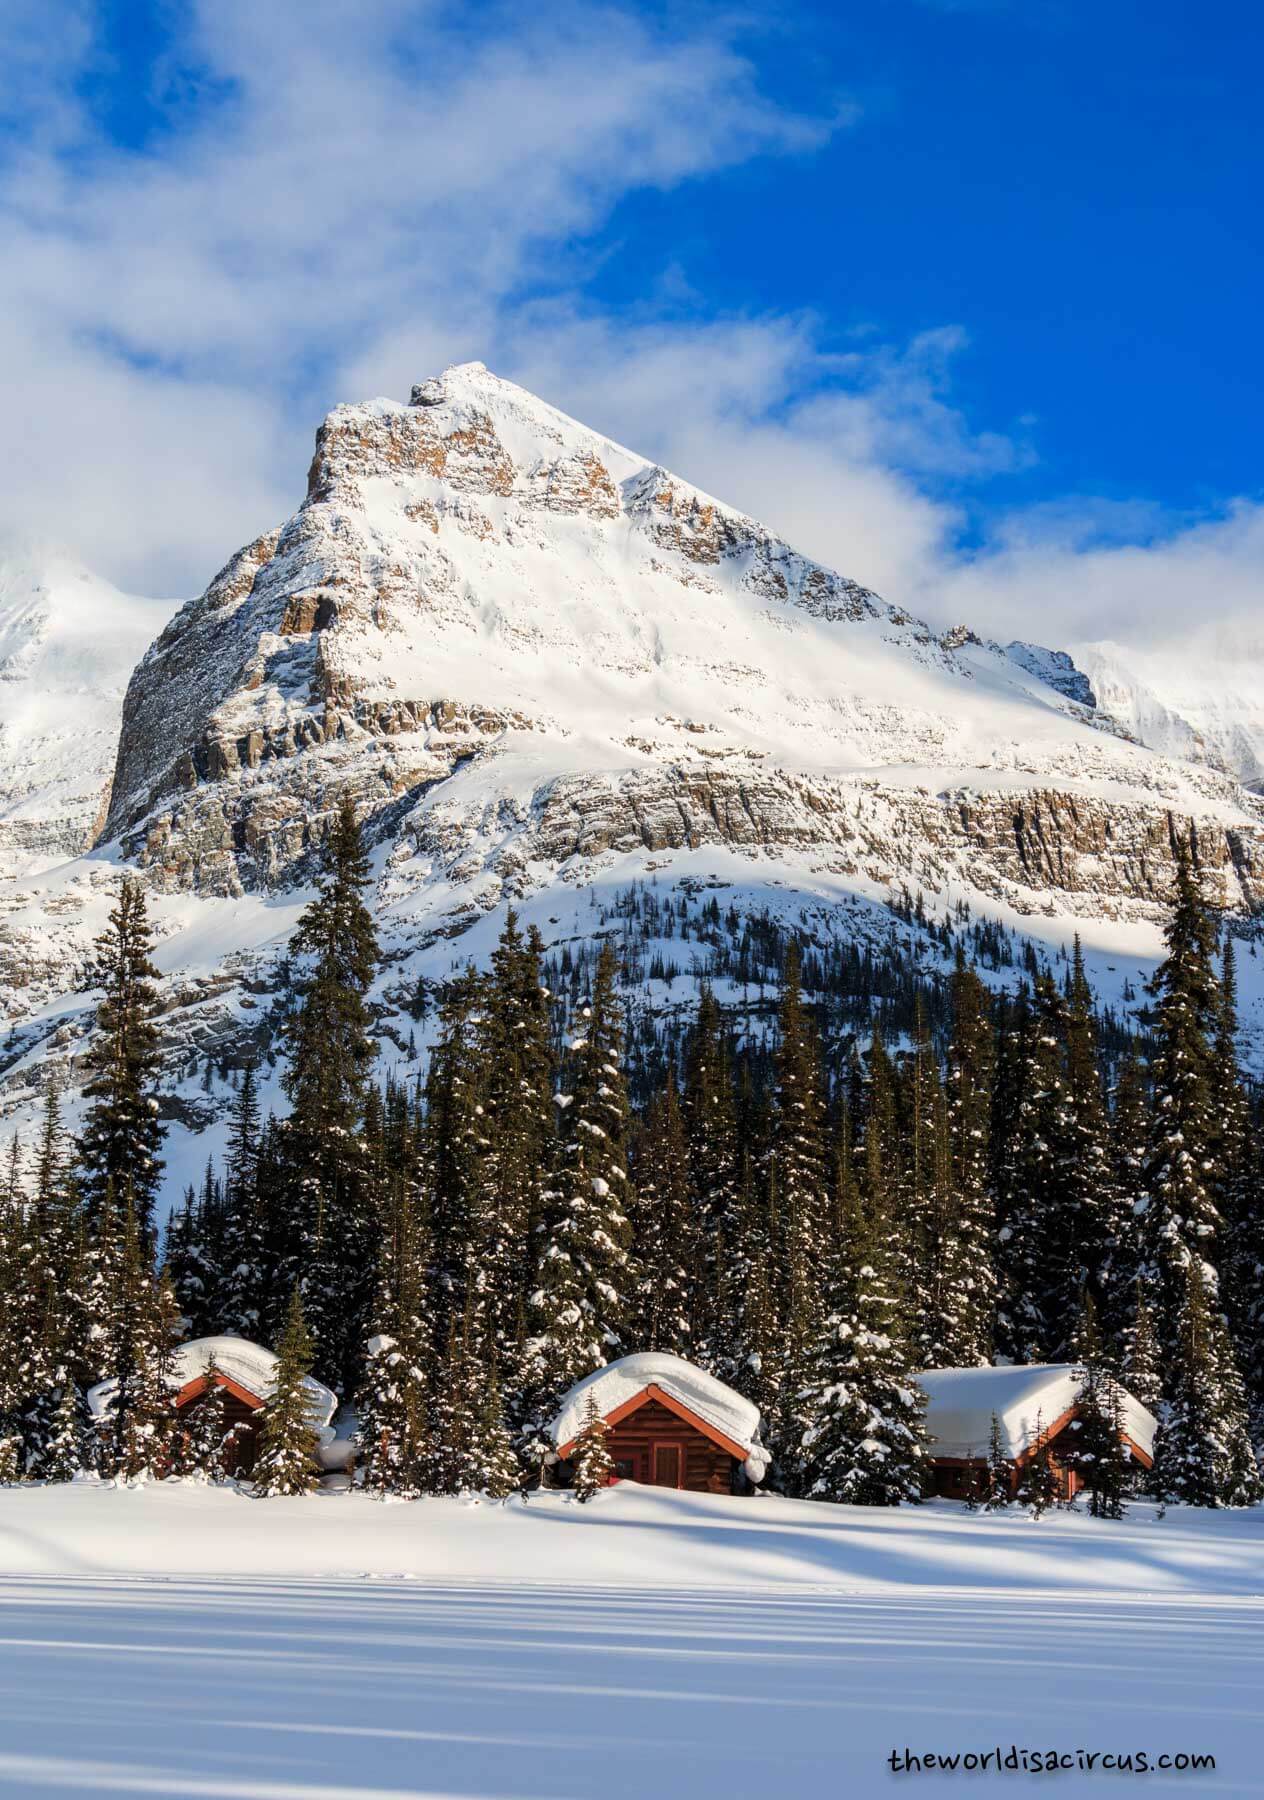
<point>961,294</point>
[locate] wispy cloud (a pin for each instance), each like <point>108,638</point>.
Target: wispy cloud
<point>327,202</point>
<point>320,178</point>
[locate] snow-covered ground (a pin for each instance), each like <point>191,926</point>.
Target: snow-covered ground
<point>182,1641</point>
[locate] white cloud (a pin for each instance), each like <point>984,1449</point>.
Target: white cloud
<point>324,176</point>
<point>340,200</point>
<point>1062,574</point>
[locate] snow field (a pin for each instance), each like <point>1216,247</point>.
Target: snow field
<point>182,1640</point>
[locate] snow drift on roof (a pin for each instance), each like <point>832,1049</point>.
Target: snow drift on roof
<point>250,1365</point>
<point>721,1407</point>
<point>961,1402</point>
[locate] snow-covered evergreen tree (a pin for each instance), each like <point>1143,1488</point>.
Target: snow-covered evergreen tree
<point>397,1453</point>
<point>518,1136</point>
<point>591,1464</point>
<point>864,1442</point>
<point>800,1202</point>
<point>1095,1438</point>
<point>331,1051</point>
<point>578,1311</point>
<point>665,1222</point>
<point>725,1254</point>
<point>285,1463</point>
<point>1039,1484</point>
<point>1203,1452</point>
<point>65,1454</point>
<point>1180,1221</point>
<point>122,1134</point>
<point>999,1479</point>
<point>967,1285</point>
<point>241,1300</point>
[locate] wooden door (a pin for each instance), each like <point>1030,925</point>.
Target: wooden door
<point>667,1463</point>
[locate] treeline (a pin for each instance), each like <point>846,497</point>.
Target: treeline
<point>810,1225</point>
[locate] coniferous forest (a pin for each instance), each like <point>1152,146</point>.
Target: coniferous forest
<point>812,1219</point>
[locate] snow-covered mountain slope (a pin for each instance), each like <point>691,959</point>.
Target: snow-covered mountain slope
<point>1201,699</point>
<point>545,669</point>
<point>68,643</point>
<point>516,641</point>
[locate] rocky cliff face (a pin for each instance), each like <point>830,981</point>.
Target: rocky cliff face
<point>481,602</point>
<point>542,666</point>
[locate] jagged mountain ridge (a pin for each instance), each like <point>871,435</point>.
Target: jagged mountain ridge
<point>546,667</point>
<point>481,602</point>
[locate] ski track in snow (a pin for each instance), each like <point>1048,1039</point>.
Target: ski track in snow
<point>276,1689</point>
<point>675,1645</point>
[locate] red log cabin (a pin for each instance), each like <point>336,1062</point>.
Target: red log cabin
<point>1028,1405</point>
<point>245,1372</point>
<point>668,1424</point>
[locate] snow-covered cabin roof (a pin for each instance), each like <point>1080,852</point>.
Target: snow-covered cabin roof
<point>721,1407</point>
<point>961,1402</point>
<point>250,1365</point>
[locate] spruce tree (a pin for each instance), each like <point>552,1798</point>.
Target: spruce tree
<point>285,1463</point>
<point>241,1300</point>
<point>331,1051</point>
<point>1180,1219</point>
<point>1142,1376</point>
<point>397,1454</point>
<point>968,1290</point>
<point>211,1440</point>
<point>122,1134</point>
<point>1029,1242</point>
<point>64,1455</point>
<point>1203,1452</point>
<point>1039,1485</point>
<point>579,1307</point>
<point>926,1216</point>
<point>864,1442</point>
<point>999,1480</point>
<point>724,1253</point>
<point>591,1464</point>
<point>518,1136</point>
<point>1095,1436</point>
<point>665,1226</point>
<point>798,1164</point>
<point>464,1210</point>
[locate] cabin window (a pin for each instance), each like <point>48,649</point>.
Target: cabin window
<point>625,1468</point>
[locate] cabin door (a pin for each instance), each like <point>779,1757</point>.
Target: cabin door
<point>667,1460</point>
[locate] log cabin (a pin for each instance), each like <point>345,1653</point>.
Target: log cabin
<point>1033,1404</point>
<point>668,1424</point>
<point>245,1371</point>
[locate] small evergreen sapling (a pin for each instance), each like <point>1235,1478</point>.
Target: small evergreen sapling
<point>63,1457</point>
<point>591,1463</point>
<point>1039,1486</point>
<point>998,1481</point>
<point>285,1464</point>
<point>1098,1455</point>
<point>212,1439</point>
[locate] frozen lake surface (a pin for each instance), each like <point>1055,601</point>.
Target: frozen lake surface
<point>381,1688</point>
<point>649,1646</point>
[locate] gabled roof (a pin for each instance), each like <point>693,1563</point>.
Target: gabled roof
<point>718,1411</point>
<point>961,1402</point>
<point>250,1369</point>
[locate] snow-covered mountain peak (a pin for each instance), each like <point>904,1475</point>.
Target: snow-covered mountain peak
<point>68,642</point>
<point>544,667</point>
